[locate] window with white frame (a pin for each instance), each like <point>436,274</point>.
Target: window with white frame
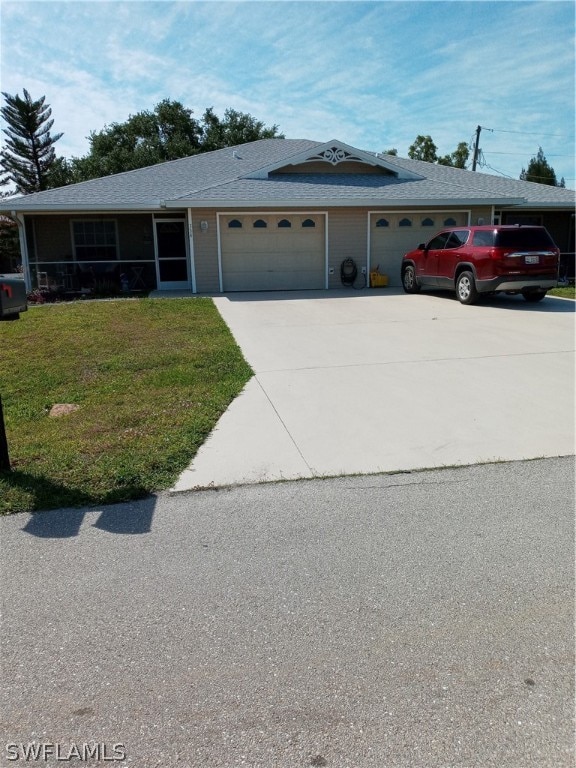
<point>95,240</point>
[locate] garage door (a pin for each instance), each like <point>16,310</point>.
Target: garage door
<point>393,234</point>
<point>272,252</point>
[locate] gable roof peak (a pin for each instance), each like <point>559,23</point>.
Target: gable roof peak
<point>332,152</point>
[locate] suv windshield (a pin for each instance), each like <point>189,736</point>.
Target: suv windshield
<point>524,238</point>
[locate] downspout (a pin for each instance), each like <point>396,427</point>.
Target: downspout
<point>19,219</point>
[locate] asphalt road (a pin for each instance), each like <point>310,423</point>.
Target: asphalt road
<point>419,619</point>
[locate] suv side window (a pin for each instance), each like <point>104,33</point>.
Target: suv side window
<point>483,238</point>
<point>457,239</point>
<point>438,242</point>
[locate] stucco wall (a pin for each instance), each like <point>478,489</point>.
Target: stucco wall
<point>205,251</point>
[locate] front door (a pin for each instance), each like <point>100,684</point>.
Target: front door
<point>172,263</point>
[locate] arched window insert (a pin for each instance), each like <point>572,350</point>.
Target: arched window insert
<point>284,223</point>
<point>259,224</point>
<point>404,223</point>
<point>428,222</point>
<point>308,223</point>
<point>450,222</point>
<point>382,223</point>
<point>234,224</point>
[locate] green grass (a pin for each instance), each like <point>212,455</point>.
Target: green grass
<point>566,292</point>
<point>151,377</point>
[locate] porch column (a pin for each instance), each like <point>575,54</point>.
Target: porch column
<point>19,218</point>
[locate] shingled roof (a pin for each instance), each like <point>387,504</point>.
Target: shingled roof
<point>247,176</point>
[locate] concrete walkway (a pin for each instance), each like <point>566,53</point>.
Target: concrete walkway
<point>374,381</point>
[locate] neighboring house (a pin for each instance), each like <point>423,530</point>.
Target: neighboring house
<point>268,215</point>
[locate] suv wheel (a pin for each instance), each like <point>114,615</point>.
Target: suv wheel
<point>466,288</point>
<point>409,282</point>
<point>533,296</point>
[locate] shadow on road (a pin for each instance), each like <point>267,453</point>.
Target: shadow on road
<point>130,518</point>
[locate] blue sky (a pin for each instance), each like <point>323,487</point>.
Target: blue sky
<point>372,74</point>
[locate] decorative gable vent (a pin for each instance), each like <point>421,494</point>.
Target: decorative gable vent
<point>334,155</point>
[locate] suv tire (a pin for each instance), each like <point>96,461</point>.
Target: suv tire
<point>466,288</point>
<point>533,296</point>
<point>409,282</point>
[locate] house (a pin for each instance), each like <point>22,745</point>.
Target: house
<point>268,215</point>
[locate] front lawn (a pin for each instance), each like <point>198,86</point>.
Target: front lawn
<point>566,292</point>
<point>150,378</point>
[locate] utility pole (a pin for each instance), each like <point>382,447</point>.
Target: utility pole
<point>476,147</point>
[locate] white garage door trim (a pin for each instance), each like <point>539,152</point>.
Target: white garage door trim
<point>438,216</point>
<point>262,214</point>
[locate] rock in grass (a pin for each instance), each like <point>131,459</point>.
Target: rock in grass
<point>62,409</point>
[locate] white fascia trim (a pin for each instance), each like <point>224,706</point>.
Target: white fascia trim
<point>535,206</point>
<point>275,211</point>
<point>369,202</point>
<point>47,209</point>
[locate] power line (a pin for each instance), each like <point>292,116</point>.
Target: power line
<point>479,158</point>
<point>484,164</point>
<point>523,154</point>
<point>527,133</point>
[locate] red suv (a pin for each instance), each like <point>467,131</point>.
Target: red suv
<point>481,260</point>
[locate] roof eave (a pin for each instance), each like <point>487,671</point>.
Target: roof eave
<point>355,202</point>
<point>537,205</point>
<point>94,208</point>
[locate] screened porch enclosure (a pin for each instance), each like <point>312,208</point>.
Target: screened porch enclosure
<point>88,254</point>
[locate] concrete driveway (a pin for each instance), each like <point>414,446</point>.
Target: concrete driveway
<point>377,381</point>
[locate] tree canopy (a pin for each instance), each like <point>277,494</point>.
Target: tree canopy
<point>235,128</point>
<point>425,149</point>
<point>169,132</point>
<point>540,171</point>
<point>29,151</point>
<point>458,158</point>
<point>146,138</point>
